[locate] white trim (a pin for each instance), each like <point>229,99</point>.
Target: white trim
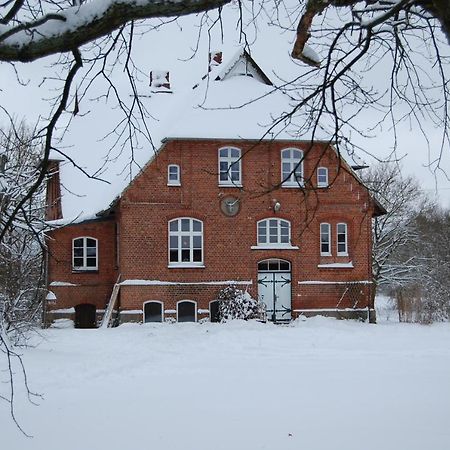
<point>153,301</point>
<point>131,311</point>
<point>319,183</point>
<point>347,265</point>
<point>329,239</point>
<point>291,182</point>
<point>345,253</point>
<point>185,266</point>
<point>84,267</point>
<point>335,282</point>
<point>179,235</point>
<point>189,301</point>
<point>62,283</point>
<point>137,282</point>
<point>203,311</point>
<point>176,182</point>
<point>333,310</point>
<point>274,247</point>
<point>231,161</point>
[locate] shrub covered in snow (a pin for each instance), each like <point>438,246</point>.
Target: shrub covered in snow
<point>237,304</point>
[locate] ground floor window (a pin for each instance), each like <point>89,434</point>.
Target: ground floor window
<point>153,311</point>
<point>214,311</point>
<point>187,311</point>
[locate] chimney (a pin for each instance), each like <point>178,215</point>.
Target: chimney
<point>159,81</point>
<point>215,59</point>
<point>53,210</point>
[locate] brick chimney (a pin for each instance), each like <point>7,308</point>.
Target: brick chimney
<point>215,59</point>
<point>160,81</point>
<point>53,209</point>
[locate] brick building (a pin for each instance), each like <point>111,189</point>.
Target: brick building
<point>222,201</point>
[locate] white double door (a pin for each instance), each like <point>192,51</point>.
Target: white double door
<point>274,289</point>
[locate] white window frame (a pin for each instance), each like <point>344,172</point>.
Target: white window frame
<point>176,182</point>
<point>322,184</point>
<point>188,301</point>
<point>328,233</point>
<point>345,234</point>
<point>84,267</point>
<point>191,233</point>
<point>277,244</point>
<point>295,166</point>
<point>153,301</point>
<point>230,161</point>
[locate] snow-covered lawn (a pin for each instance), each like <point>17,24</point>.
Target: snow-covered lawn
<point>317,384</point>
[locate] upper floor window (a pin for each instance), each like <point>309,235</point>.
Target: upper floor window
<point>230,170</point>
<point>291,167</point>
<point>173,175</point>
<point>325,239</point>
<point>85,253</point>
<point>186,242</point>
<point>274,232</point>
<point>322,177</point>
<point>342,244</point>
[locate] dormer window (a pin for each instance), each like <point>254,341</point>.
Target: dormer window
<point>230,169</point>
<point>291,168</point>
<point>173,175</point>
<point>322,177</point>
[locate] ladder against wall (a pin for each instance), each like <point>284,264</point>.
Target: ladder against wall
<point>107,322</point>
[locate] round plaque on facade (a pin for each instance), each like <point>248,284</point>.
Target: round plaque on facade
<point>230,206</point>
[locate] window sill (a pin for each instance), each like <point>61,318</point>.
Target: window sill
<point>293,186</point>
<point>274,247</point>
<point>85,270</point>
<point>347,265</point>
<point>324,186</point>
<point>186,266</point>
<point>174,184</point>
<point>342,254</point>
<point>230,185</point>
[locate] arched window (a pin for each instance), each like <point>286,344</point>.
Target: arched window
<point>322,177</point>
<point>85,253</point>
<point>274,232</point>
<point>230,171</point>
<point>173,175</point>
<point>153,311</point>
<point>342,238</point>
<point>325,239</point>
<point>185,242</point>
<point>291,167</point>
<point>214,311</point>
<point>187,311</point>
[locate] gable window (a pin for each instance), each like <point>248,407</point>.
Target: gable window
<point>185,242</point>
<point>325,239</point>
<point>230,170</point>
<point>173,175</point>
<point>322,177</point>
<point>342,246</point>
<point>274,232</point>
<point>85,253</point>
<point>291,167</point>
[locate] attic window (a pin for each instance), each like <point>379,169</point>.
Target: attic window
<point>173,175</point>
<point>230,170</point>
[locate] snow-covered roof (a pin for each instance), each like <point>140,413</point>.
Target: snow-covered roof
<point>235,100</point>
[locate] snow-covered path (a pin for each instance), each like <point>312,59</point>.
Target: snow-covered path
<point>318,384</point>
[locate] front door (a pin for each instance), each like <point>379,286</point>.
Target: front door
<point>274,288</point>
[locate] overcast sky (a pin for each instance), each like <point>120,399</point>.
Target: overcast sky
<point>171,47</point>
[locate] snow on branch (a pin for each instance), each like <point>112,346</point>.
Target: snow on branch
<point>69,28</point>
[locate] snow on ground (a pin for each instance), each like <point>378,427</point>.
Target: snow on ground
<point>315,384</point>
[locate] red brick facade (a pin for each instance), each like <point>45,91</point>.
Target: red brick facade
<point>133,240</point>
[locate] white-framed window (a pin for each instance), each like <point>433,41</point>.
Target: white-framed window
<point>342,239</point>
<point>85,253</point>
<point>274,232</point>
<point>153,311</point>
<point>186,311</point>
<point>230,167</point>
<point>185,242</point>
<point>291,167</point>
<point>322,177</point>
<point>325,239</point>
<point>173,175</point>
